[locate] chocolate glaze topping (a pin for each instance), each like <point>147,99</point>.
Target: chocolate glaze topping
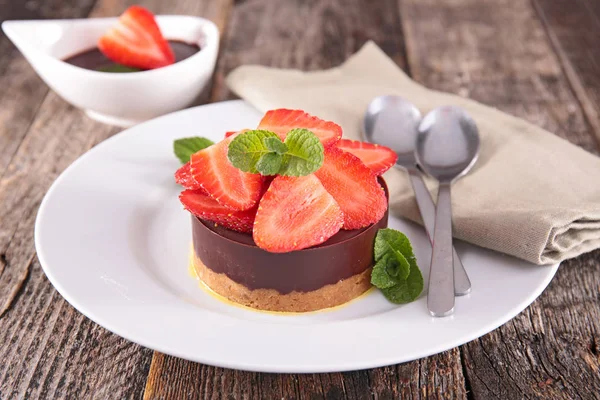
<point>345,254</point>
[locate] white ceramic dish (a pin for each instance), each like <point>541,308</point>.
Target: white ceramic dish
<point>117,99</point>
<point>114,240</point>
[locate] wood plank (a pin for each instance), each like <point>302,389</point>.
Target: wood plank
<point>433,377</point>
<point>266,33</point>
<point>276,34</point>
<point>22,90</point>
<point>572,26</point>
<point>51,350</point>
<point>498,53</point>
<point>48,349</point>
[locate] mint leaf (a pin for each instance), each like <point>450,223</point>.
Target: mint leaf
<point>380,277</point>
<point>275,145</point>
<point>304,155</point>
<point>261,151</point>
<point>269,164</point>
<point>407,290</point>
<point>399,266</point>
<point>185,147</point>
<point>395,271</point>
<point>247,148</point>
<point>390,270</point>
<point>117,68</point>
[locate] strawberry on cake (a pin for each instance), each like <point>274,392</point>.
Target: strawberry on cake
<point>284,217</point>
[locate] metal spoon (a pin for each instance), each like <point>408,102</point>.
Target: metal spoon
<point>393,122</point>
<point>447,147</point>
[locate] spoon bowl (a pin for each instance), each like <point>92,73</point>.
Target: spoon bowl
<point>392,121</point>
<point>448,144</point>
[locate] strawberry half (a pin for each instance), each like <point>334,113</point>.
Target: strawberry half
<point>136,41</point>
<point>282,120</point>
<point>225,183</point>
<point>354,187</point>
<point>183,176</point>
<point>295,213</point>
<point>205,207</point>
<point>378,158</point>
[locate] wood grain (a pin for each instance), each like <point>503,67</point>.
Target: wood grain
<point>435,377</point>
<point>52,351</point>
<point>307,35</point>
<point>498,53</point>
<point>572,27</point>
<point>20,86</point>
<point>22,91</point>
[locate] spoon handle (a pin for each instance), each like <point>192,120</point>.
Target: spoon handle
<point>440,297</point>
<point>462,284</point>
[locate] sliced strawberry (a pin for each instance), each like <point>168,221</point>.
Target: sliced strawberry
<point>228,185</point>
<point>183,176</point>
<point>231,133</point>
<point>282,120</point>
<point>354,187</point>
<point>205,207</point>
<point>295,213</point>
<point>136,41</point>
<point>378,158</point>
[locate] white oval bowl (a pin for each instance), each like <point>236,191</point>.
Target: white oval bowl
<point>122,99</point>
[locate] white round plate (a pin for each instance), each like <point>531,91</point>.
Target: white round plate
<point>114,240</point>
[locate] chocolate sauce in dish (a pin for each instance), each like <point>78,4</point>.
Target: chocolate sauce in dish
<point>94,60</point>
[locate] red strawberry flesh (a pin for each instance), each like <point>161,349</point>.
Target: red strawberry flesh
<point>183,176</point>
<point>295,213</point>
<point>136,41</point>
<point>354,187</point>
<point>282,120</point>
<point>205,207</point>
<point>225,183</point>
<point>378,158</point>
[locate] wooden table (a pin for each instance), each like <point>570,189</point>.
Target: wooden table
<point>537,59</point>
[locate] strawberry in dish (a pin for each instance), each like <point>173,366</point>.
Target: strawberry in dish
<point>134,43</point>
<point>284,217</point>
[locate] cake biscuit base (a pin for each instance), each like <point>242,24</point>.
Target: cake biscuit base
<point>271,300</point>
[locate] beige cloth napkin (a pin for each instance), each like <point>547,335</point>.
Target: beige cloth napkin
<point>531,194</point>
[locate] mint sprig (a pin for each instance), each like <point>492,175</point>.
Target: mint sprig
<point>275,145</point>
<point>247,149</point>
<point>184,148</point>
<point>261,151</point>
<point>305,153</point>
<point>269,164</point>
<point>395,271</point>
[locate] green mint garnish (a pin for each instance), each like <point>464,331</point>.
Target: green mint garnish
<point>275,145</point>
<point>247,149</point>
<point>305,153</point>
<point>395,271</point>
<point>184,148</point>
<point>262,152</point>
<point>117,68</point>
<point>269,164</point>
